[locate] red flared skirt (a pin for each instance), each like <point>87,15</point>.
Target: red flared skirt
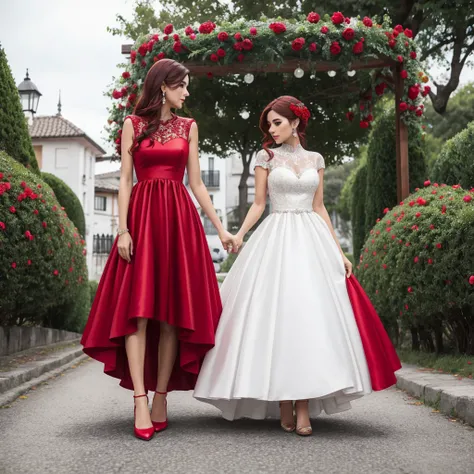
<point>171,279</point>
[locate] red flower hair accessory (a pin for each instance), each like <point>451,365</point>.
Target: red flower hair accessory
<point>301,111</point>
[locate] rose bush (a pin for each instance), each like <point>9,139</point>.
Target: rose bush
<point>42,256</point>
<point>417,265</point>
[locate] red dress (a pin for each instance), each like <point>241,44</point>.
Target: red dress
<point>171,277</point>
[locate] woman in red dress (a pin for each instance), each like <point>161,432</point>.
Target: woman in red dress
<point>157,305</point>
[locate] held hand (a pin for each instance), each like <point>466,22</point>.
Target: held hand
<point>347,266</point>
<point>238,241</point>
<point>125,247</point>
<point>226,239</point>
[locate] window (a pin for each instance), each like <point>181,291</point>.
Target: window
<point>100,203</point>
<point>61,160</point>
<point>211,163</point>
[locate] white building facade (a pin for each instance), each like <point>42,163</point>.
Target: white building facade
<point>65,151</point>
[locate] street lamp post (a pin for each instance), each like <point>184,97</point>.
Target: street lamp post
<point>29,95</point>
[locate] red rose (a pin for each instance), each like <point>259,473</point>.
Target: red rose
<point>214,58</point>
<point>403,106</point>
<point>348,34</point>
<point>413,55</point>
<point>149,46</point>
<point>132,97</point>
<point>238,46</point>
<point>189,30</point>
<point>410,289</point>
<point>467,198</point>
<point>399,28</point>
<point>29,262</point>
<point>426,91</point>
<point>14,265</point>
<point>238,36</point>
<point>297,44</point>
<point>166,38</point>
<point>160,55</point>
<point>116,94</point>
<point>44,224</point>
<point>358,48</point>
<point>192,36</point>
<point>347,20</point>
<point>380,88</point>
<point>277,28</point>
<point>207,28</point>
<point>427,182</point>
<point>408,33</point>
<point>210,75</point>
<point>404,74</point>
<point>221,52</point>
<point>247,44</point>
<point>438,246</point>
<point>55,273</point>
<point>443,209</point>
<point>313,17</point>
<point>223,36</point>
<point>2,225</point>
<point>400,59</point>
<point>143,49</point>
<point>413,92</point>
<point>364,124</point>
<point>419,112</point>
<point>392,43</point>
<point>337,18</point>
<point>1,175</point>
<point>240,57</point>
<point>471,282</point>
<point>335,48</point>
<point>143,63</point>
<point>313,47</point>
<point>324,30</point>
<point>177,47</point>
<point>12,209</point>
<point>367,22</point>
<point>350,116</point>
<point>176,37</point>
<point>253,31</point>
<point>168,29</point>
<point>386,210</point>
<point>29,235</point>
<point>126,75</point>
<point>456,186</point>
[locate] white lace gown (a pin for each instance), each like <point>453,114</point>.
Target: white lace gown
<point>287,330</point>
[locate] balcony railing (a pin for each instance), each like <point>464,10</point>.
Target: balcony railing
<point>211,179</point>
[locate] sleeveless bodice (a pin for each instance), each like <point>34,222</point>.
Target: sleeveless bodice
<point>164,155</point>
<point>293,177</point>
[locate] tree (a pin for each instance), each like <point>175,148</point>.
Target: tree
<point>14,135</point>
<point>381,165</point>
<point>359,230</point>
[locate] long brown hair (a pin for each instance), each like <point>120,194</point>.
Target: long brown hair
<point>281,106</point>
<point>149,104</point>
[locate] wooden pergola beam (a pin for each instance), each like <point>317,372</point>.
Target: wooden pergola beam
<point>197,68</point>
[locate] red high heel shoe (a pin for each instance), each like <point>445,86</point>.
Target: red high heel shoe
<point>142,433</point>
<point>161,425</point>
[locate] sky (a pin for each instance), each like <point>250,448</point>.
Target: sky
<point>66,46</point>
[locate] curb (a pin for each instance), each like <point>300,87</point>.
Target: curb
<point>451,396</point>
<point>17,382</point>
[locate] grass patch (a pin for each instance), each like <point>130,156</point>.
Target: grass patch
<point>458,365</point>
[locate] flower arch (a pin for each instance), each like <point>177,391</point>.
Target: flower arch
<point>311,44</point>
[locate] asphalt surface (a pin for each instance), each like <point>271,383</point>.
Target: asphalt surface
<point>82,422</point>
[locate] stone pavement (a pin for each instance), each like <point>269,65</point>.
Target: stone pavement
<point>81,422</point>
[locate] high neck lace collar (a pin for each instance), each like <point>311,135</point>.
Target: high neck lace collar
<point>290,148</point>
<point>165,122</point>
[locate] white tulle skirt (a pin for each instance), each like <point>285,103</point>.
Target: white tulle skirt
<point>287,331</point>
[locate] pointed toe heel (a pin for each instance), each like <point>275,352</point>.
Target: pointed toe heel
<point>142,433</point>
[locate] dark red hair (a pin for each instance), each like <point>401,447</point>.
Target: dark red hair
<point>149,104</point>
<point>281,106</point>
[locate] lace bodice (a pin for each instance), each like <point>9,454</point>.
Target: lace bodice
<point>293,177</point>
<point>176,127</point>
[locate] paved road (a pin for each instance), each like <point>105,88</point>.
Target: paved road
<point>82,423</point>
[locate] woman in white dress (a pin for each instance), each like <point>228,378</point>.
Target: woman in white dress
<point>294,336</point>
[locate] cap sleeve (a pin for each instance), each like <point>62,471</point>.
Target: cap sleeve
<point>319,162</point>
<point>262,160</point>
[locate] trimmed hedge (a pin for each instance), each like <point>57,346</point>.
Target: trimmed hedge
<point>66,197</point>
<point>455,163</point>
<point>359,230</point>
<point>42,256</point>
<point>418,265</point>
<point>381,165</point>
<point>14,135</point>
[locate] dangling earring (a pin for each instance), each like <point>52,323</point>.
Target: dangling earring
<point>164,98</point>
<point>294,132</point>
